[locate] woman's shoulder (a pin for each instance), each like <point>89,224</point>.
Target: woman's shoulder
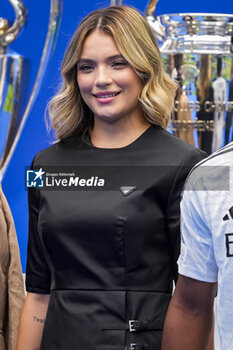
<point>171,144</point>
<point>58,150</point>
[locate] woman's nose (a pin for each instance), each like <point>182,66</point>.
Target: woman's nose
<point>103,76</point>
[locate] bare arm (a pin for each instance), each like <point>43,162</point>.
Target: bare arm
<point>32,321</point>
<point>190,315</point>
<point>211,341</point>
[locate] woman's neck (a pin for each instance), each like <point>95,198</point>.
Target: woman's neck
<point>106,135</point>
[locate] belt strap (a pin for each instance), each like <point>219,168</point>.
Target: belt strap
<point>136,326</point>
<point>135,346</point>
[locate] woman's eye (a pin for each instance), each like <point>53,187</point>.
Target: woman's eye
<point>85,68</point>
<point>119,64</point>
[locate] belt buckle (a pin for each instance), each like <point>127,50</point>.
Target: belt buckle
<point>134,346</point>
<point>132,326</point>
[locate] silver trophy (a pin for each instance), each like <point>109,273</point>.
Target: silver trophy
<point>11,65</point>
<point>197,49</point>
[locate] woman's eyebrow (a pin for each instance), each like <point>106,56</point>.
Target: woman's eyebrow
<point>88,60</point>
<point>114,57</point>
<point>85,60</point>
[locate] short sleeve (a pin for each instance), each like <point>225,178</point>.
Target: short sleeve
<point>173,204</point>
<point>197,259</point>
<point>38,278</point>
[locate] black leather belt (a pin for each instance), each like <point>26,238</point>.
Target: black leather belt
<point>136,326</point>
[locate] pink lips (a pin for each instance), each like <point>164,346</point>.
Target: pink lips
<point>106,96</point>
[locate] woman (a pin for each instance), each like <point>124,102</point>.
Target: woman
<point>103,260</point>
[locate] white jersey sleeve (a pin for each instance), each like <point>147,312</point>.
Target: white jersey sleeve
<point>197,259</point>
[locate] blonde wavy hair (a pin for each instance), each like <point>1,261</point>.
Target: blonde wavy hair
<point>136,42</point>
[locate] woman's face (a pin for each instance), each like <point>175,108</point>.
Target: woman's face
<point>108,84</point>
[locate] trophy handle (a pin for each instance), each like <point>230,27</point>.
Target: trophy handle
<point>56,7</point>
<point>151,7</point>
<point>155,24</point>
<point>10,33</point>
<point>116,2</point>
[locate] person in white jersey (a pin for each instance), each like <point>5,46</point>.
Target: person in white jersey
<point>206,260</point>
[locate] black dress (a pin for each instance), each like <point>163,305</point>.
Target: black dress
<point>108,255</point>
